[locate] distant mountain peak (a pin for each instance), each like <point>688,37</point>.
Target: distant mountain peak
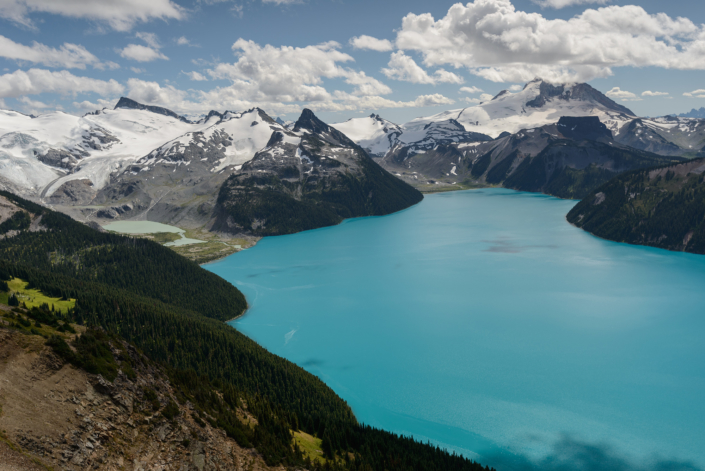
<point>578,91</point>
<point>128,103</point>
<point>694,114</point>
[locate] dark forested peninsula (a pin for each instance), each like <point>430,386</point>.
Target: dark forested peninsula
<point>660,207</point>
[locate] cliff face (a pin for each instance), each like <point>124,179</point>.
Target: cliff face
<point>56,415</point>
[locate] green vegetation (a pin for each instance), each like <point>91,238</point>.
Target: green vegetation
<point>163,237</point>
<point>34,297</point>
<point>172,310</point>
<point>662,207</point>
<point>17,222</point>
<point>266,206</point>
<point>310,446</point>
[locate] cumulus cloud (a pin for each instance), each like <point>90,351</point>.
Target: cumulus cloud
<point>195,76</point>
<point>695,94</point>
<point>292,74</point>
<point>119,15</point>
<point>623,95</point>
<point>497,42</point>
<point>140,53</point>
<point>370,43</point>
<point>471,90</point>
<point>88,106</point>
<point>70,56</point>
<point>516,88</point>
<point>433,100</point>
<point>566,3</point>
<point>36,81</point>
<point>404,68</point>
<point>650,93</point>
<point>148,53</point>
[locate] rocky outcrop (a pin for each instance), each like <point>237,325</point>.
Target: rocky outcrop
<point>54,414</point>
<point>74,192</point>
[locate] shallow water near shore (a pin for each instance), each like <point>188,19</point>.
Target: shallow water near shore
<point>482,321</point>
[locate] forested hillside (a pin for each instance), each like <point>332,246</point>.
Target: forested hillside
<point>660,207</point>
<point>172,310</point>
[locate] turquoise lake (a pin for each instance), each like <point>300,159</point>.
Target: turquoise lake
<point>483,322</point>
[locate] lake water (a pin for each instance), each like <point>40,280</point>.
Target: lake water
<point>151,227</point>
<point>482,321</point>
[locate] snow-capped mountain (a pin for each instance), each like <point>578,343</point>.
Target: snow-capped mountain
<point>310,176</point>
<point>566,159</point>
<point>668,135</point>
<point>372,133</point>
<point>538,104</point>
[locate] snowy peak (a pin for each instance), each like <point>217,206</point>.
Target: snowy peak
<point>547,92</point>
<point>309,122</point>
<point>373,133</point>
<point>128,103</point>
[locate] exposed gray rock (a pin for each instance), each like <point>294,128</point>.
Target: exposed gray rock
<point>74,192</point>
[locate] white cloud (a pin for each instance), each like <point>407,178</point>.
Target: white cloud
<point>139,53</point>
<point>471,90</point>
<point>650,93</point>
<point>36,81</point>
<point>70,56</point>
<point>33,103</point>
<point>120,15</point>
<point>443,76</point>
<point>695,94</point>
<point>516,88</point>
<point>433,100</point>
<point>404,68</point>
<point>495,41</point>
<point>474,101</point>
<point>152,92</point>
<point>137,70</point>
<point>150,38</point>
<point>87,106</point>
<point>184,41</point>
<point>566,3</point>
<point>373,44</point>
<point>292,74</point>
<point>623,95</point>
<point>486,97</point>
<point>195,76</point>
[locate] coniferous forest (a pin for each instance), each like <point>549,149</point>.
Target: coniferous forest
<point>173,311</point>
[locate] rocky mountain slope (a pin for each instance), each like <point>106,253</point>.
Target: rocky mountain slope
<point>660,207</point>
<point>311,176</point>
<point>567,159</point>
<point>61,416</point>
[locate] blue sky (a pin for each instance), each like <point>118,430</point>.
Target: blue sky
<point>411,58</point>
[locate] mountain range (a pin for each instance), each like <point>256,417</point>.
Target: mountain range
<point>241,172</point>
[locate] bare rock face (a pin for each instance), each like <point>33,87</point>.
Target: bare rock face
<point>56,415</point>
<point>74,192</point>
